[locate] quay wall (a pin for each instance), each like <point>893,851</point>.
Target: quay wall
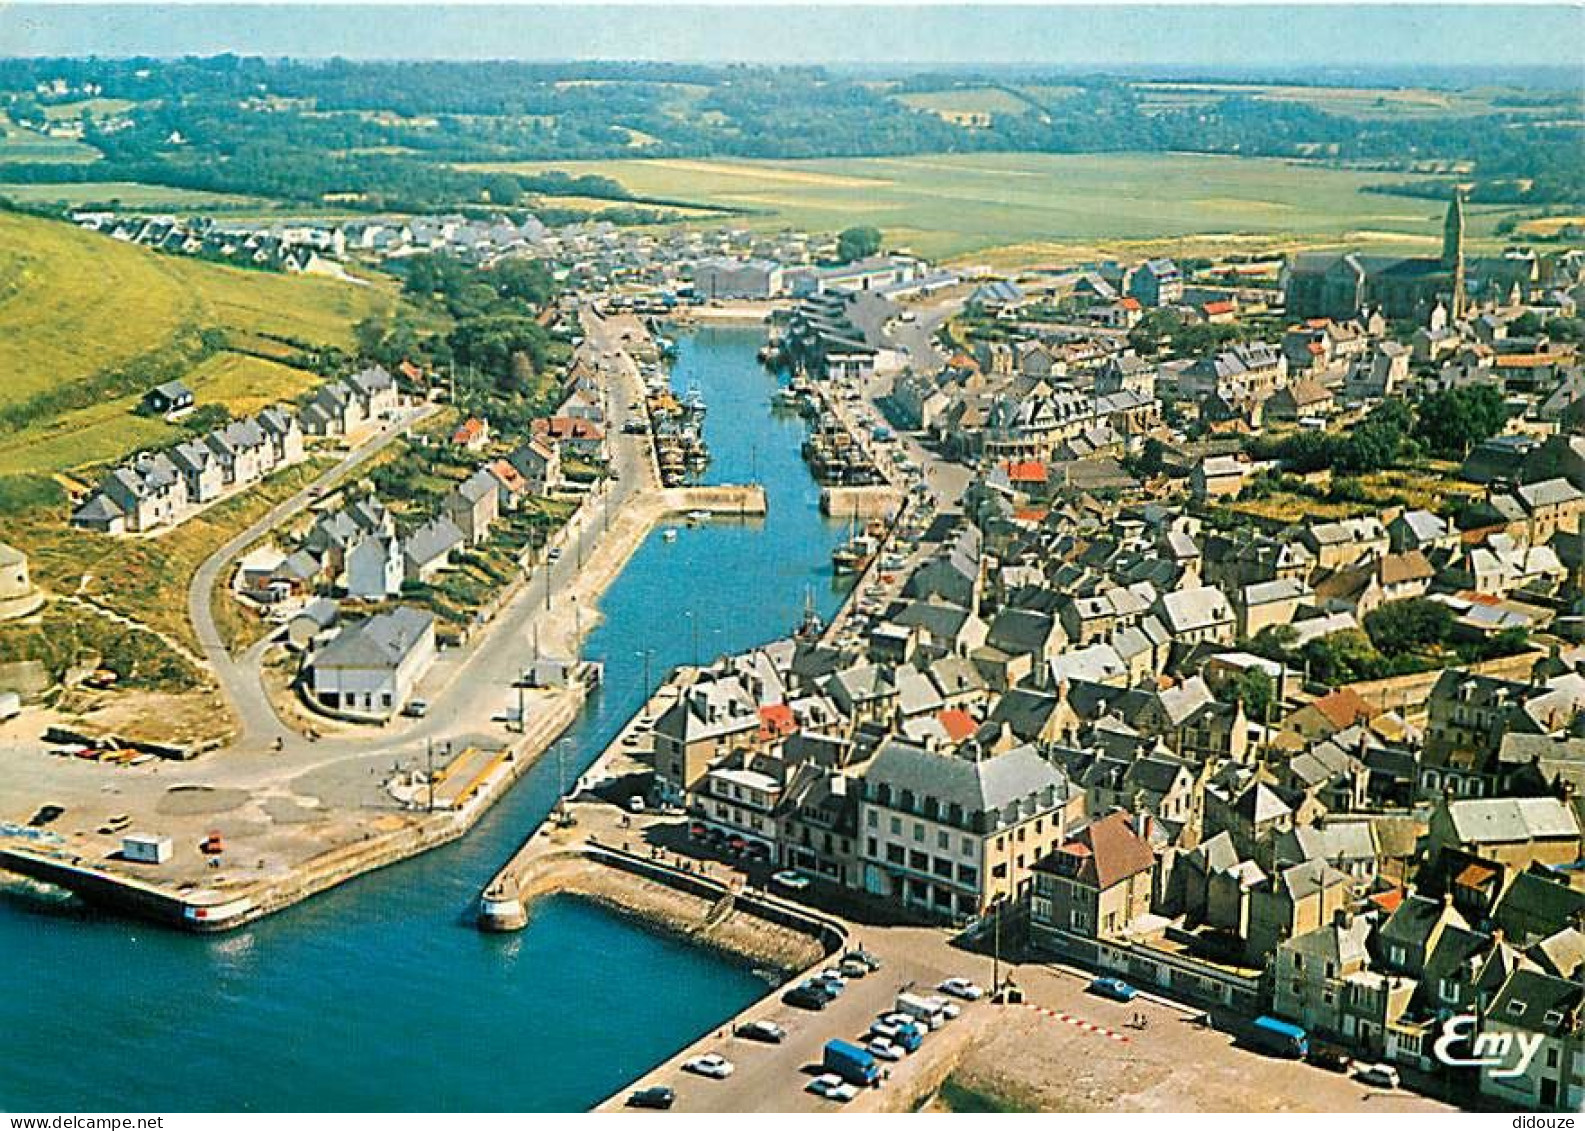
<point>137,897</point>
<point>727,499</point>
<point>860,502</point>
<point>831,934</point>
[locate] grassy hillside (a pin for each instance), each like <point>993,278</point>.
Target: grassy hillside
<point>954,205</point>
<point>86,324</point>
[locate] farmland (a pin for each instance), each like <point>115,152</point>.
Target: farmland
<point>957,205</point>
<point>127,195</point>
<point>18,144</point>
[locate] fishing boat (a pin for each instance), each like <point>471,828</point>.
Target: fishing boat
<point>854,555</point>
<point>669,534</point>
<point>693,402</point>
<point>811,626</point>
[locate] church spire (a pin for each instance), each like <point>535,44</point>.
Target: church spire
<point>1453,252</point>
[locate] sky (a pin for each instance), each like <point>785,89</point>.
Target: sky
<point>1309,38</point>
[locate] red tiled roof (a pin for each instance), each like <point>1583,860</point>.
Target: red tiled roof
<point>509,475</point>
<point>1129,302</point>
<point>1343,707</point>
<point>958,723</point>
<point>1388,900</point>
<point>1031,514</point>
<point>1110,851</point>
<point>469,430</point>
<point>1221,306</point>
<point>776,721</point>
<point>1026,471</point>
<point>567,428</point>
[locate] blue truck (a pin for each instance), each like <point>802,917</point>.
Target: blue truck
<point>1280,1038</point>
<point>852,1063</point>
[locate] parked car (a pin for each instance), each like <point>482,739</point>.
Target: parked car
<point>832,1087</point>
<point>1380,1075</point>
<point>1114,988</point>
<point>767,1031</point>
<point>807,996</point>
<point>882,1049</point>
<point>416,708</point>
<point>657,1098</point>
<point>853,968</point>
<point>961,987</point>
<point>791,880</point>
<point>859,954</point>
<point>711,1064</point>
<point>1330,1057</point>
<point>635,804</point>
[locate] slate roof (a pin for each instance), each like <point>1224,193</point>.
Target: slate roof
<point>990,785</point>
<point>1501,820</point>
<point>383,641</point>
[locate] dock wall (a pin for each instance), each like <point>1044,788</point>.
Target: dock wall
<point>860,502</point>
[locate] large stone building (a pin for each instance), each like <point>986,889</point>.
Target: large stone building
<point>1343,284</point>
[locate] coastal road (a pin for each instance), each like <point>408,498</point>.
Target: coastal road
<point>1065,1049</point>
<point>256,719</point>
<point>494,663</point>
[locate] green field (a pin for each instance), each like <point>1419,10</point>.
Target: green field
<point>128,195</point>
<point>78,311</point>
<point>1351,102</point>
<point>18,144</point>
<point>966,102</point>
<point>1043,204</point>
<point>93,107</point>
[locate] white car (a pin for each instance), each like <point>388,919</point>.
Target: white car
<point>711,1064</point>
<point>832,1087</point>
<point>883,1031</point>
<point>882,1049</point>
<point>792,881</point>
<point>961,987</point>
<point>635,804</point>
<point>1381,1075</point>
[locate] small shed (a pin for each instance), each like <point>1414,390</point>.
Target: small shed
<point>169,399</point>
<point>144,848</point>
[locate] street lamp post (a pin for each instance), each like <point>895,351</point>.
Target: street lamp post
<point>644,655</point>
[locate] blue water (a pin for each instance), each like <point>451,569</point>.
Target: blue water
<point>381,994</point>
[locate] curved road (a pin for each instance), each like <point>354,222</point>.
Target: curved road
<point>256,719</point>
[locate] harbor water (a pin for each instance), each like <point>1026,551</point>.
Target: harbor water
<point>381,994</point>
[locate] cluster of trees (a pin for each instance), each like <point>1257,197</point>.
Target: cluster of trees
<point>858,243</point>
<point>1163,328</point>
<point>502,359</point>
<point>384,134</point>
<point>1446,424</point>
<point>1379,441</point>
<point>1339,657</point>
<point>1398,638</point>
<point>1450,423</point>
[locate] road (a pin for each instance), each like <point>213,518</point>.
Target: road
<point>493,664</point>
<point>256,719</point>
